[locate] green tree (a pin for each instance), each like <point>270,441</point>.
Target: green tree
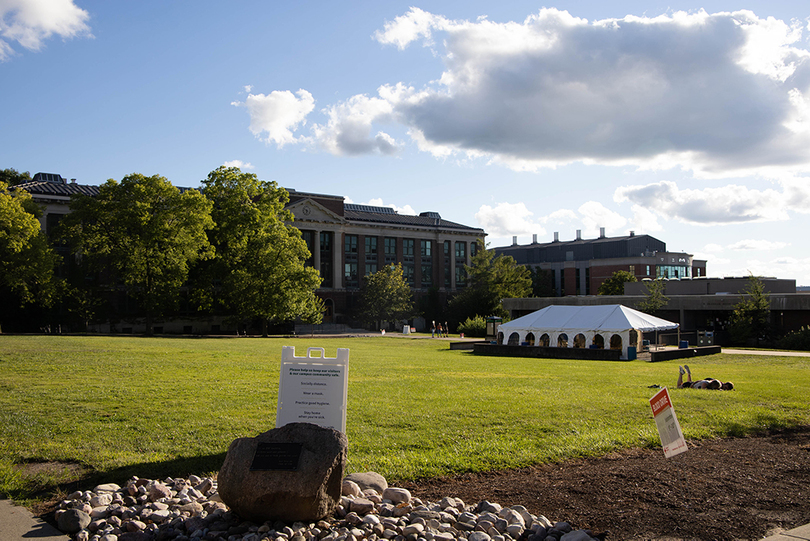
<point>491,278</point>
<point>542,283</point>
<point>12,177</point>
<point>27,260</point>
<point>385,296</point>
<point>615,284</point>
<point>751,318</point>
<point>145,233</point>
<point>655,297</point>
<point>260,255</point>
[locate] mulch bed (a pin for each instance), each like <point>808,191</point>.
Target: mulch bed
<point>723,489</point>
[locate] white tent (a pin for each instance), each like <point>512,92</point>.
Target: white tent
<point>609,325</point>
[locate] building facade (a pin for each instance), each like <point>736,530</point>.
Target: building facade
<point>348,241</point>
<point>579,266</point>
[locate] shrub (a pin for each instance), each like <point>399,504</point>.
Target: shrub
<point>796,340</point>
<point>474,326</point>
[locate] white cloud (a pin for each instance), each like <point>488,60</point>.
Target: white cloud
<point>409,27</point>
<point>278,114</point>
<point>507,219</point>
<point>595,215</point>
<point>239,163</point>
<point>350,125</point>
<point>378,202</point>
<point>758,245</point>
<point>30,22</point>
<point>720,94</point>
<point>644,220</point>
<point>724,205</point>
<point>781,266</point>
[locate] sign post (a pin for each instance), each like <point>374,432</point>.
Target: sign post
<point>669,430</point>
<point>313,389</point>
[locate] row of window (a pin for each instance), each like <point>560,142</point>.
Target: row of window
<point>351,271</point>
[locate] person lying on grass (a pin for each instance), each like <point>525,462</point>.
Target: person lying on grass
<point>708,383</point>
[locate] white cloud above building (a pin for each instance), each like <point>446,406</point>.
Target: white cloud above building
<point>29,23</point>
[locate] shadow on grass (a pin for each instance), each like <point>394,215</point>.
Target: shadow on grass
<point>42,485</point>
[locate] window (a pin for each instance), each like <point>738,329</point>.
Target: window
<point>673,271</point>
<point>371,268</point>
<point>408,249</point>
<point>461,260</point>
<point>447,275</point>
<point>371,249</point>
<point>577,281</point>
<point>473,249</point>
<point>408,269</point>
<point>648,271</point>
<point>408,273</point>
<point>390,247</point>
<point>309,238</point>
<point>350,274</point>
<point>350,244</point>
<point>587,280</point>
<point>425,248</point>
<point>326,259</point>
<point>427,274</point>
<point>461,276</point>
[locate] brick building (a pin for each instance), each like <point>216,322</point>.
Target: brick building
<point>349,241</point>
<point>579,266</point>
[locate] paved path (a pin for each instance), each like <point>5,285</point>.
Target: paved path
<point>18,524</point>
<point>796,534</point>
<point>772,353</point>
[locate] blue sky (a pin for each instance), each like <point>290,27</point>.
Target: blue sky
<point>687,121</point>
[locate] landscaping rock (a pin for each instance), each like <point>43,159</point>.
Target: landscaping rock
<point>309,493</point>
<point>73,521</point>
<point>209,519</point>
<point>369,480</point>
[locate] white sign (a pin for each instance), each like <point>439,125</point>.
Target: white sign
<point>313,389</point>
<point>669,430</point>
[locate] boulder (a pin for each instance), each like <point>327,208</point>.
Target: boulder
<point>73,520</point>
<point>307,493</point>
<point>369,480</point>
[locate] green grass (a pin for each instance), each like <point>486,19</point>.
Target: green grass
<point>122,406</point>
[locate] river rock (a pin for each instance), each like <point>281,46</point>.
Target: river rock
<point>397,495</point>
<point>73,520</point>
<point>308,494</point>
<point>369,480</point>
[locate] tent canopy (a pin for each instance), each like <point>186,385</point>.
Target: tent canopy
<point>604,318</point>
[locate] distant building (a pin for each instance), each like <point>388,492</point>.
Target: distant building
<point>699,305</point>
<point>349,241</point>
<point>346,241</point>
<point>580,266</point>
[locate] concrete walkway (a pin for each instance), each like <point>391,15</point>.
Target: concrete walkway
<point>18,524</point>
<point>796,534</point>
<point>771,353</point>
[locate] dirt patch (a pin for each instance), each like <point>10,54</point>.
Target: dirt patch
<point>60,470</point>
<point>739,488</point>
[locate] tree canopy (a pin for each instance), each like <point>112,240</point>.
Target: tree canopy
<point>146,233</point>
<point>26,259</point>
<point>751,318</point>
<point>491,278</point>
<point>385,296</point>
<point>12,177</point>
<point>615,284</point>
<point>655,299</point>
<point>261,256</point>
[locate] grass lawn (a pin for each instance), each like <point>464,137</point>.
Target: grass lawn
<point>113,407</point>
